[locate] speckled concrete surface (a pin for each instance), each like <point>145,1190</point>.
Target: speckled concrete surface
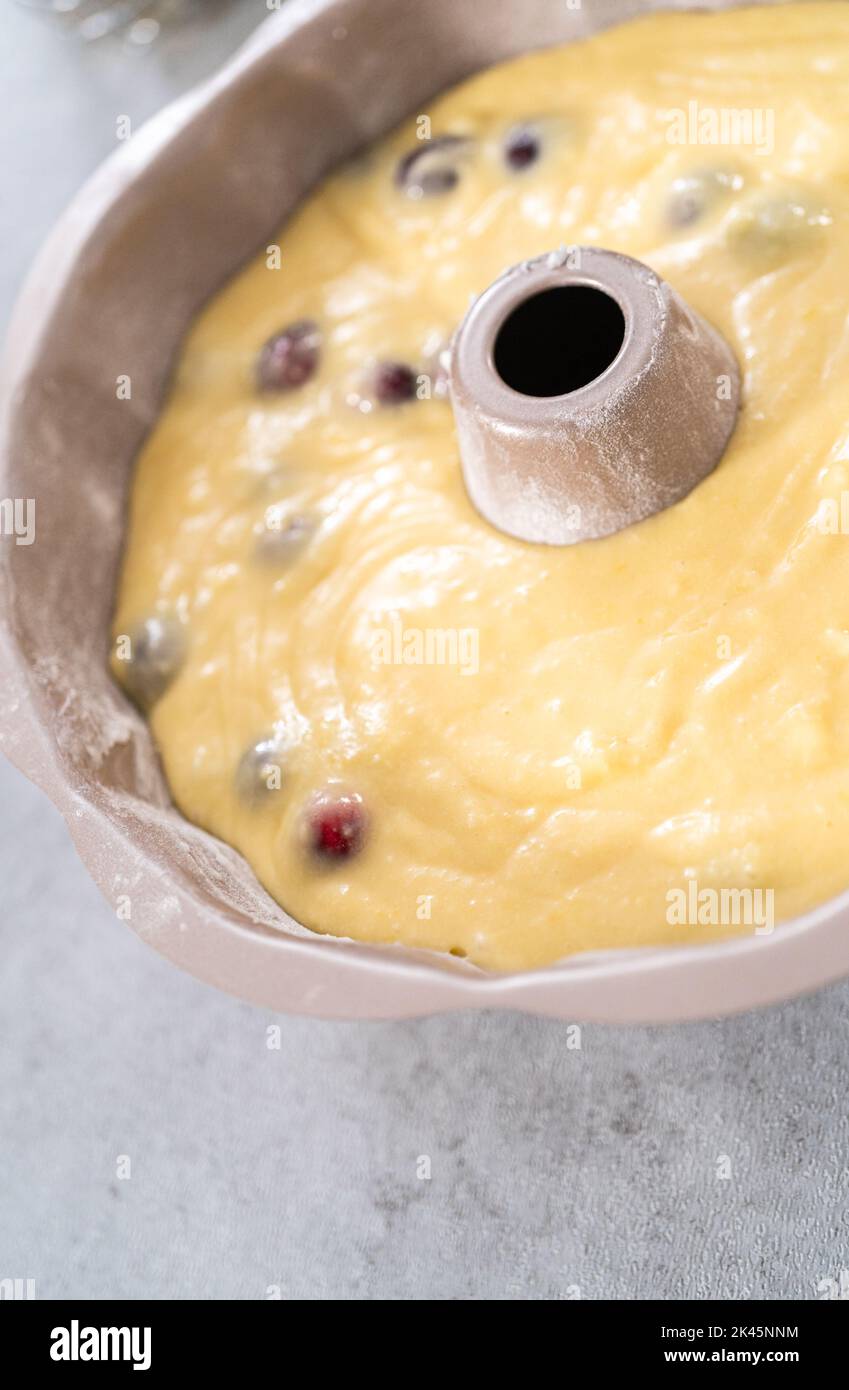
<point>154,1142</point>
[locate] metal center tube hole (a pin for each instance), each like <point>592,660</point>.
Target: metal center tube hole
<point>559,340</point>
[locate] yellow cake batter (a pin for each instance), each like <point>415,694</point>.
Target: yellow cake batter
<point>533,746</point>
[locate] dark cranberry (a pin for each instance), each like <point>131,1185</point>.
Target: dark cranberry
<point>154,655</point>
<point>394,383</point>
<point>289,358</point>
<point>260,771</point>
<point>280,542</point>
<point>686,206</point>
<point>522,147</point>
<point>336,825</point>
<point>692,196</point>
<point>432,167</point>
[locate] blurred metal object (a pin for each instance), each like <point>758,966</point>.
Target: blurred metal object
<point>140,22</point>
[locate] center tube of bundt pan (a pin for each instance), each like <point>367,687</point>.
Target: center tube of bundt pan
<point>587,396</point>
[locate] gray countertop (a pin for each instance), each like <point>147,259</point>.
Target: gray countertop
<point>710,1160</point>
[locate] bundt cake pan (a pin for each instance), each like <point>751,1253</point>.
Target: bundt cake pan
<point>169,217</point>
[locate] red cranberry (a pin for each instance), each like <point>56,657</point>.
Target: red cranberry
<point>336,825</point>
<point>522,147</point>
<point>432,167</point>
<point>289,358</point>
<point>394,383</point>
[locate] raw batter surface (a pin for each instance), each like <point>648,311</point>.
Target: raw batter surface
<point>415,728</point>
